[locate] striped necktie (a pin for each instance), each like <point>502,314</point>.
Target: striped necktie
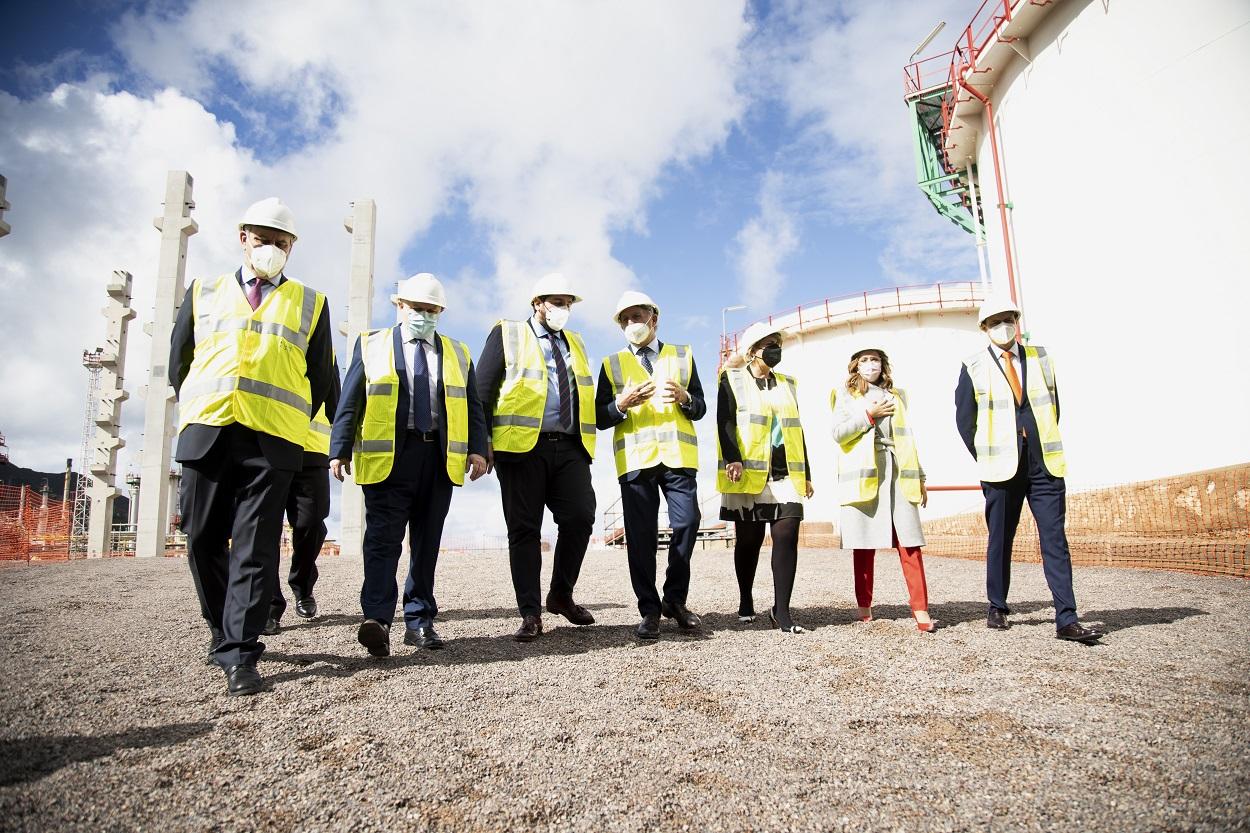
<point>644,356</point>
<point>562,382</point>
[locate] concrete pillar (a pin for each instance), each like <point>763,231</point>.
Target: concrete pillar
<point>361,223</point>
<point>4,206</point>
<point>109,399</point>
<point>175,226</point>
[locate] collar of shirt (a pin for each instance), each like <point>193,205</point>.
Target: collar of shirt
<point>653,345</point>
<point>540,329</point>
<point>246,276</point>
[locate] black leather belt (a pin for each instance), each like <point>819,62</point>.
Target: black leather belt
<point>555,436</point>
<point>423,436</point>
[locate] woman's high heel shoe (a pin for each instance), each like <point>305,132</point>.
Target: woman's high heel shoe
<point>772,617</point>
<point>926,627</point>
<point>865,614</point>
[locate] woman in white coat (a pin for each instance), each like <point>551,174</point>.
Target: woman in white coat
<point>880,481</point>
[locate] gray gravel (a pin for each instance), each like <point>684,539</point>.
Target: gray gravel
<point>111,720</point>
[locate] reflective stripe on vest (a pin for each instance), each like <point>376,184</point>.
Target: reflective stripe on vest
<point>523,395</point>
<point>317,440</point>
<point>756,410</point>
<point>250,366</point>
<point>858,478</point>
<point>653,434</point>
<point>374,452</point>
<point>996,433</point>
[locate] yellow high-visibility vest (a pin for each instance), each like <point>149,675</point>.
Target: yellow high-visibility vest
<point>250,366</point>
<point>653,434</point>
<point>858,478</point>
<point>373,455</point>
<point>317,440</point>
<point>995,438</point>
<point>756,411</point>
<point>523,395</point>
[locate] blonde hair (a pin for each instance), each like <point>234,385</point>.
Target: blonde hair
<point>857,384</point>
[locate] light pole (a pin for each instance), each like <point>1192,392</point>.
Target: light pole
<point>928,40</point>
<point>723,334</point>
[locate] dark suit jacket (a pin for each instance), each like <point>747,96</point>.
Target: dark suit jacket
<point>607,416</point>
<point>352,405</point>
<point>966,408</point>
<point>196,440</point>
<point>490,372</point>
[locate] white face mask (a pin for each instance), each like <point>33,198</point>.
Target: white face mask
<point>870,371</point>
<point>1003,334</point>
<point>421,324</point>
<point>638,333</point>
<point>556,317</point>
<point>266,261</point>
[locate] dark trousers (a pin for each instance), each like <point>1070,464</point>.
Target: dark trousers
<point>307,506</point>
<point>414,499</point>
<point>234,495</point>
<point>554,474</point>
<point>640,499</point>
<point>1047,501</point>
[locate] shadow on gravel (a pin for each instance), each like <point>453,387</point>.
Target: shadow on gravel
<point>477,650</point>
<point>29,759</point>
<point>1131,617</point>
<point>502,612</point>
<point>329,619</point>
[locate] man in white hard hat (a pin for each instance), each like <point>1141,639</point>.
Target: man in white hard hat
<point>1007,412</point>
<point>409,427</point>
<point>251,362</point>
<point>650,394</point>
<point>538,393</point>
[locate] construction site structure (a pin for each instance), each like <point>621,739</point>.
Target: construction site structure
<point>78,491</point>
<point>4,206</point>
<point>4,450</point>
<point>106,418</point>
<point>1041,134</point>
<point>156,499</point>
<point>361,224</point>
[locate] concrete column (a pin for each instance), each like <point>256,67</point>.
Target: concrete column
<point>4,206</point>
<point>175,226</point>
<point>109,399</point>
<point>361,223</point>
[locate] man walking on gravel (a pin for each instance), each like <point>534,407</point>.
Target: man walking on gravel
<point>539,397</point>
<point>1007,412</point>
<point>250,361</point>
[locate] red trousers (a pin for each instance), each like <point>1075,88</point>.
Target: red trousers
<point>913,574</point>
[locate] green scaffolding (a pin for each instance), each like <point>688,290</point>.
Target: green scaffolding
<point>946,190</point>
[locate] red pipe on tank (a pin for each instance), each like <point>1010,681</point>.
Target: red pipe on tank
<point>998,183</point>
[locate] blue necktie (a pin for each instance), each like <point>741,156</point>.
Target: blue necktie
<point>420,389</point>
<point>644,356</point>
<point>562,382</point>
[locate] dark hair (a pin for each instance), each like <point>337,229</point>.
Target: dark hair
<point>856,383</point>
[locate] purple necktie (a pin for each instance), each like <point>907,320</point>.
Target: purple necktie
<point>253,292</point>
<point>562,382</point>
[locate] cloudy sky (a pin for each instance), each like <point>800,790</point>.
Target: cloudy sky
<point>710,153</point>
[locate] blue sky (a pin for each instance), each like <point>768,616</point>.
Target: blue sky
<point>708,153</point>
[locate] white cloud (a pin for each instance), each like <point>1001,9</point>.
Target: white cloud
<point>762,244</point>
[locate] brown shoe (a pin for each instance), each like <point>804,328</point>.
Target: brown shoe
<point>1076,632</point>
<point>531,628</point>
<point>570,610</point>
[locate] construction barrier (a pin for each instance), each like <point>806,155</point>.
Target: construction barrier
<point>33,526</point>
<point>1198,522</point>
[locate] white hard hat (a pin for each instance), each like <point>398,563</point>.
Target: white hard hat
<point>422,288</point>
<point>270,213</point>
<point>754,334</point>
<point>553,284</point>
<point>995,304</point>
<point>633,298</point>
<point>870,349</point>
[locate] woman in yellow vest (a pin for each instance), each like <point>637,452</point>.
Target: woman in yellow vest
<point>763,475</point>
<point>880,481</point>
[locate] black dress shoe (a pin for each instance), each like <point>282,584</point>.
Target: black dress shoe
<point>423,636</point>
<point>531,628</point>
<point>242,679</point>
<point>306,608</point>
<point>1079,633</point>
<point>685,619</point>
<point>570,610</point>
<point>273,626</point>
<point>997,620</point>
<point>649,627</point>
<point>375,636</point>
<point>213,642</point>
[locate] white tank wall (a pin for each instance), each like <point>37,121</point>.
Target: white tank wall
<point>1125,155</point>
<point>925,353</point>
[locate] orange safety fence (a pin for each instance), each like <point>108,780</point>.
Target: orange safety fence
<point>1198,522</point>
<point>33,525</point>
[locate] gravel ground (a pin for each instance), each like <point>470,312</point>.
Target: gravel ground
<point>112,721</point>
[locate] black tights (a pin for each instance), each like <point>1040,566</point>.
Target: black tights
<point>749,539</point>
